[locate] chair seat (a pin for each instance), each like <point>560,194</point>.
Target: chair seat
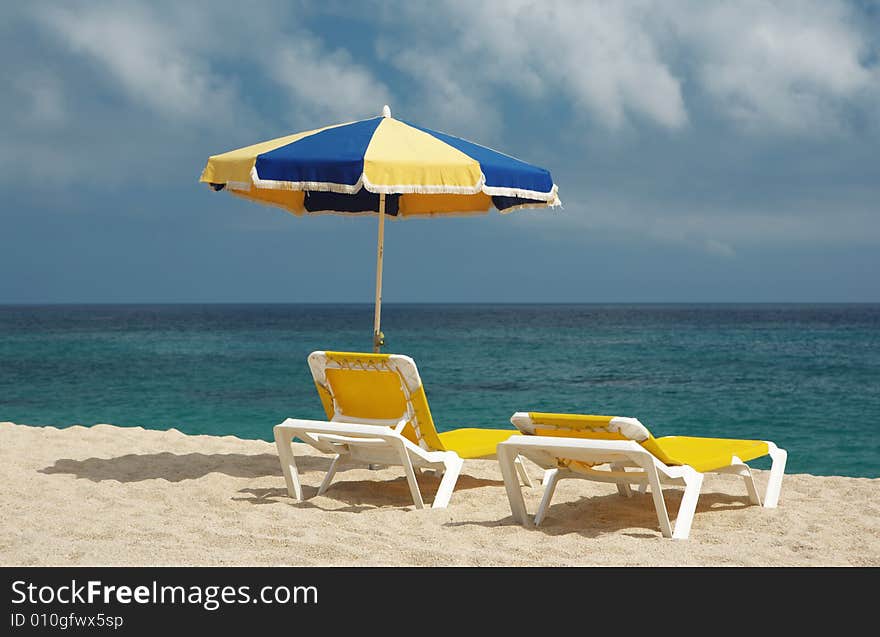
<point>475,443</point>
<point>704,454</point>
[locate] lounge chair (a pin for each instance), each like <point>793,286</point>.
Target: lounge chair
<point>377,413</point>
<point>574,446</point>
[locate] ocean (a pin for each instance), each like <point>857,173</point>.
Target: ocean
<point>804,376</point>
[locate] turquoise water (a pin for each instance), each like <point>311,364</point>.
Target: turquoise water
<point>805,376</point>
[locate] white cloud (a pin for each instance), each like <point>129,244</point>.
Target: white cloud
<point>786,67</point>
<point>601,57</point>
<point>145,57</point>
<point>781,71</point>
<point>447,102</point>
<point>605,56</point>
<point>327,84</point>
<point>791,67</point>
<point>175,82</point>
<point>169,58</point>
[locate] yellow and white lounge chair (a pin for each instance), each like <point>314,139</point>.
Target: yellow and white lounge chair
<point>378,414</point>
<point>574,446</point>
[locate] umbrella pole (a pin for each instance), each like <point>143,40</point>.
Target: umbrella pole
<point>378,336</point>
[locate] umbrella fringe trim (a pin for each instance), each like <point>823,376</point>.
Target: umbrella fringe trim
<point>498,191</point>
<point>403,189</point>
<point>319,186</point>
<point>422,189</point>
<point>550,204</point>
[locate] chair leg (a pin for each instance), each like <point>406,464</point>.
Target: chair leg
<point>506,458</point>
<point>288,463</point>
<point>693,482</point>
<point>746,473</point>
<point>754,496</point>
<point>453,467</point>
<point>411,478</point>
<point>659,503</point>
<point>623,488</point>
<point>331,471</point>
<point>777,470</point>
<point>523,474</point>
<point>549,489</point>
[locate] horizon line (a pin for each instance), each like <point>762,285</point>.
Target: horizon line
<point>403,303</point>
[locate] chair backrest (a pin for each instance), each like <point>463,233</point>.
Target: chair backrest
<point>581,426</point>
<point>375,389</point>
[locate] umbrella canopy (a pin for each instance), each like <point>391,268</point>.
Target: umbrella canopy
<point>380,166</point>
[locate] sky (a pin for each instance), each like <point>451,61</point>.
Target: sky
<point>704,151</point>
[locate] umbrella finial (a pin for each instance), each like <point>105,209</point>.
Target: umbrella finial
<point>386,111</point>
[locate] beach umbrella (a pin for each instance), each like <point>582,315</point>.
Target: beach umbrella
<point>380,166</point>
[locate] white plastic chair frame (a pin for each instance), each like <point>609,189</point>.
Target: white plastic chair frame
<point>370,443</point>
<point>620,455</point>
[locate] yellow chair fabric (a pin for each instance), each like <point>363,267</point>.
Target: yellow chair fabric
<point>703,454</point>
<point>387,387</point>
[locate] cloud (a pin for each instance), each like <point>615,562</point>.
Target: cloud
<point>785,67</point>
<point>145,57</point>
<point>446,100</point>
<point>600,57</point>
<point>704,125</point>
<point>327,84</point>
<point>175,82</point>
<point>638,108</point>
<point>172,60</point>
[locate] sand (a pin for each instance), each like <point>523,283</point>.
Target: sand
<point>107,495</point>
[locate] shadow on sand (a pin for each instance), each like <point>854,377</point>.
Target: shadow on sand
<point>361,495</point>
<point>176,467</point>
<point>600,515</point>
<point>355,494</point>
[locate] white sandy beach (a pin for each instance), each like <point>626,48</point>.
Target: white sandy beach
<point>107,495</point>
